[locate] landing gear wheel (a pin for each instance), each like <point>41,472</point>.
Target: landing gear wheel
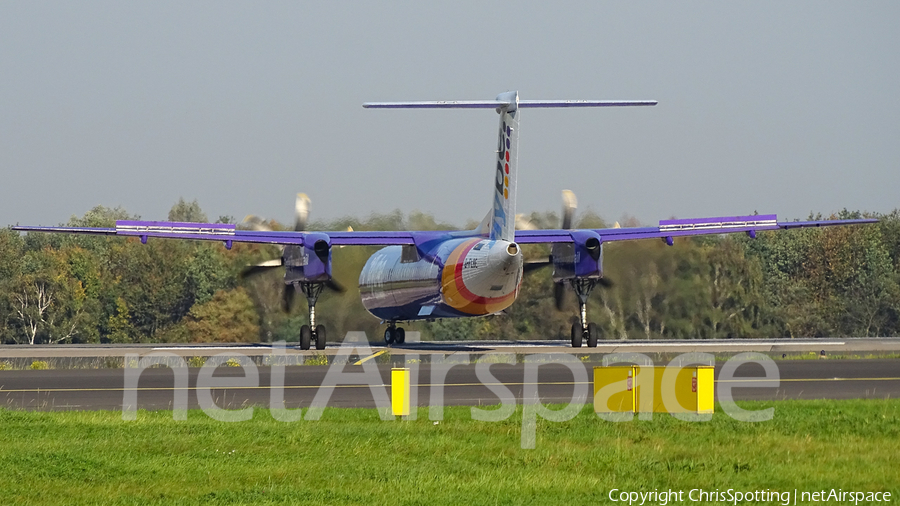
<point>305,337</point>
<point>400,336</point>
<point>320,337</point>
<point>593,333</point>
<point>576,335</point>
<point>389,335</point>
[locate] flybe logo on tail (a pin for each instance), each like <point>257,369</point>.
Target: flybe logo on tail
<point>501,184</point>
<point>499,219</point>
<point>503,163</point>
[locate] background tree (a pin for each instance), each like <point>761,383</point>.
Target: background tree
<point>834,281</point>
<point>187,212</point>
<point>228,316</point>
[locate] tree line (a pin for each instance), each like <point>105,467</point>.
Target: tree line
<point>816,282</point>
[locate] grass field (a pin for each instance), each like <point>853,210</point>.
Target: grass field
<point>350,456</point>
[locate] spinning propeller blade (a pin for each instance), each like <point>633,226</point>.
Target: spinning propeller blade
<point>559,295</point>
<point>301,212</point>
<point>253,222</point>
<point>261,267</point>
<point>287,298</point>
<point>523,223</point>
<point>569,205</point>
<point>331,284</point>
<point>533,265</point>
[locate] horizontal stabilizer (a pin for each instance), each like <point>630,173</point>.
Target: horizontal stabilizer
<point>440,104</point>
<point>493,104</point>
<point>584,103</point>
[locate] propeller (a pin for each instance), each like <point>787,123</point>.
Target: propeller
<point>533,265</point>
<point>570,203</point>
<point>568,216</point>
<point>301,212</point>
<point>559,295</point>
<point>287,298</point>
<point>253,222</point>
<point>333,285</point>
<point>252,270</point>
<point>301,220</point>
<point>523,223</point>
<point>301,217</point>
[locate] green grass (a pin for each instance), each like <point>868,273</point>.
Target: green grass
<point>351,457</point>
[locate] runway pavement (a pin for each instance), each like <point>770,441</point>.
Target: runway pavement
<point>95,389</point>
<point>841,346</point>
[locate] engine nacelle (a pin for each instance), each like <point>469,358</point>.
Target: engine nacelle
<point>310,262</point>
<point>582,258</point>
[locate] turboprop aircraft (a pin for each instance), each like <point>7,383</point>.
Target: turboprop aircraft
<point>421,275</point>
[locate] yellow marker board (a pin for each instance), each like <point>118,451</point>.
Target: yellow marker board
<point>617,383</point>
<point>400,391</point>
<point>654,389</point>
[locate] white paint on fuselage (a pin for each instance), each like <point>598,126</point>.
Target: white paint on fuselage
<point>489,270</point>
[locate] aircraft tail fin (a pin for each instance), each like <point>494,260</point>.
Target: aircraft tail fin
<point>502,225</point>
<point>503,221</point>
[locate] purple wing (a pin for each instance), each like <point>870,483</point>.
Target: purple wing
<point>669,229</point>
<point>225,232</point>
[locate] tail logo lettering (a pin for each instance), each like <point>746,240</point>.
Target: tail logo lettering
<point>499,218</point>
<point>501,184</point>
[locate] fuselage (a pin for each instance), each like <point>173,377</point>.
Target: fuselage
<point>452,277</point>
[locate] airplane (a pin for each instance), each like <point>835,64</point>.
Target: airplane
<point>429,275</point>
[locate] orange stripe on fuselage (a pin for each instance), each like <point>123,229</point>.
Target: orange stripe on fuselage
<point>458,296</point>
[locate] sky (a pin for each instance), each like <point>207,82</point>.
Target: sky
<point>768,106</point>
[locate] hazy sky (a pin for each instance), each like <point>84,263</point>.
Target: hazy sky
<point>779,107</point>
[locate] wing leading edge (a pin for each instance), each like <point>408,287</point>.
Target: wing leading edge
<point>669,229</point>
<point>226,233</point>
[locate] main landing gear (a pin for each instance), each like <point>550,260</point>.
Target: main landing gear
<point>583,330</point>
<point>311,332</point>
<point>394,334</point>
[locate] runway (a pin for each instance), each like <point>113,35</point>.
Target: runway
<point>98,352</point>
<point>103,389</point>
